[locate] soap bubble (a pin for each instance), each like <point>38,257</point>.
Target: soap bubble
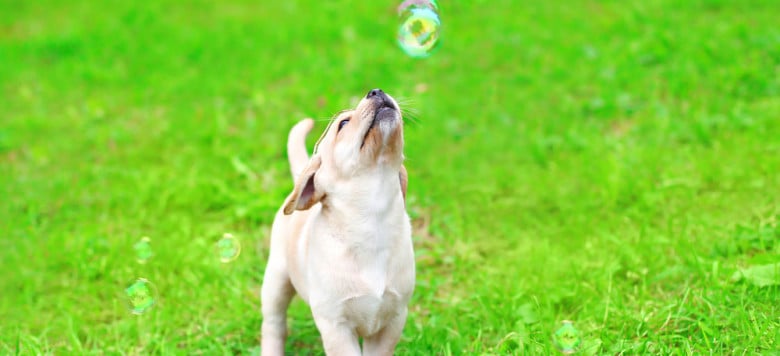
<point>143,250</point>
<point>567,338</point>
<point>141,296</point>
<point>228,248</point>
<point>418,33</point>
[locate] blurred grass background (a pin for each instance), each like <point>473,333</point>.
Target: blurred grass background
<point>608,162</point>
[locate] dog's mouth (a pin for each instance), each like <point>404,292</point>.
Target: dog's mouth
<point>386,110</point>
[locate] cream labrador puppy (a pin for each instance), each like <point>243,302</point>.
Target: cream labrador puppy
<point>342,239</point>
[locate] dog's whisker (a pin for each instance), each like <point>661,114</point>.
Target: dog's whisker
<point>412,117</point>
<point>412,113</point>
<point>409,104</point>
<point>404,99</point>
<point>406,105</point>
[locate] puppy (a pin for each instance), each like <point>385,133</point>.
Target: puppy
<point>342,239</point>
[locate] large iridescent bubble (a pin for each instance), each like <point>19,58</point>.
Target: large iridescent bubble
<point>420,27</point>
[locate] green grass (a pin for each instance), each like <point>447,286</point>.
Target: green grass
<point>612,163</point>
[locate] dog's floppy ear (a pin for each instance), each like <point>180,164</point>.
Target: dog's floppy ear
<point>404,177</point>
<point>305,194</point>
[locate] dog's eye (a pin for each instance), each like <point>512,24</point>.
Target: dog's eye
<point>342,123</point>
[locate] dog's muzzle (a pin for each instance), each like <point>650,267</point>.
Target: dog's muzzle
<point>385,108</point>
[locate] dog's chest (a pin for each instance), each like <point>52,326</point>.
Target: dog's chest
<point>370,312</point>
<point>381,293</point>
<point>362,272</point>
<point>379,287</point>
<point>373,265</point>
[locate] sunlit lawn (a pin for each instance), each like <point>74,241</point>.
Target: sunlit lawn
<point>611,163</point>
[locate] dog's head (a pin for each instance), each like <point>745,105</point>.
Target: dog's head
<point>361,144</point>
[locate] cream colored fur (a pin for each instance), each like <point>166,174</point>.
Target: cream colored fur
<point>342,239</point>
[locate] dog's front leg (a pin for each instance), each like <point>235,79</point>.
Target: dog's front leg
<point>383,342</point>
<point>338,339</point>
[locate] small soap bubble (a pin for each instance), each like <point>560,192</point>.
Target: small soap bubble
<point>228,248</point>
<point>567,338</point>
<point>143,250</point>
<point>418,33</point>
<point>141,296</point>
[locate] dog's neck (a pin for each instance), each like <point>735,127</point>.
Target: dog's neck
<point>367,218</point>
<point>371,198</point>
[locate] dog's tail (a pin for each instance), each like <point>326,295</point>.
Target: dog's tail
<point>296,146</point>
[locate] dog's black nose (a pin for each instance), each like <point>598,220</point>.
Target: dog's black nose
<point>375,92</point>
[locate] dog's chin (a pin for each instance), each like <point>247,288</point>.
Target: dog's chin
<point>386,113</point>
<point>380,131</point>
<point>386,121</point>
<point>383,141</point>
